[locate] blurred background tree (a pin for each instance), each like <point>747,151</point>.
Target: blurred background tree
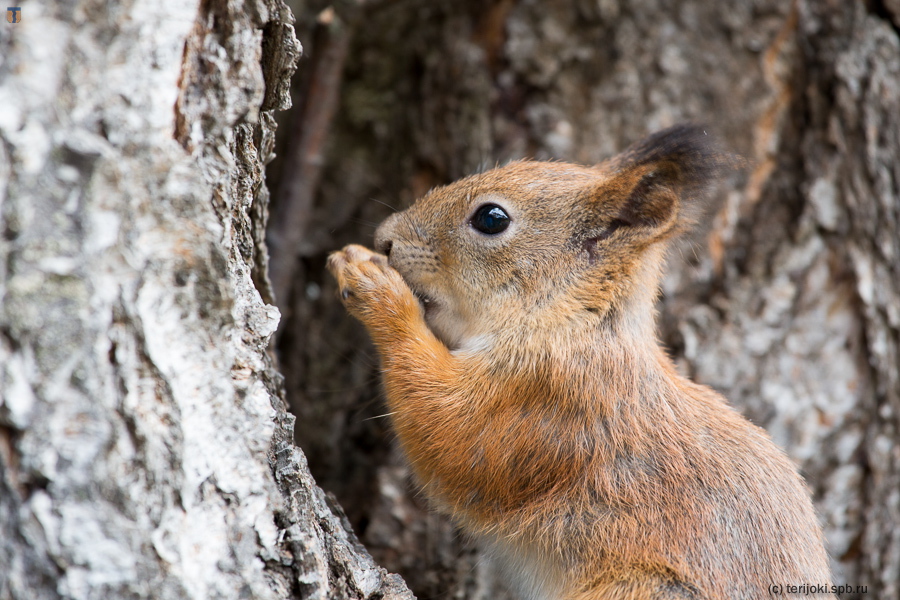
<point>788,301</point>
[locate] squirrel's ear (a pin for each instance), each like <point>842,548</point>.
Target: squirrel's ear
<point>658,183</point>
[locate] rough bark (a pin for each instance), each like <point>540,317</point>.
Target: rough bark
<point>788,302</point>
<point>145,451</point>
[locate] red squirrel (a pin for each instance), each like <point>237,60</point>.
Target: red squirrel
<point>513,315</point>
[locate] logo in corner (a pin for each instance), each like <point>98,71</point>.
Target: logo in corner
<point>14,14</point>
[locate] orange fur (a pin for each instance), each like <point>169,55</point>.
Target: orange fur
<point>535,405</point>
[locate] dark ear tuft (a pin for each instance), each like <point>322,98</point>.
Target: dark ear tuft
<point>699,157</point>
<point>672,167</point>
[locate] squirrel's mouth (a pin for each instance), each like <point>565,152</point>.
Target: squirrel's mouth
<point>424,299</point>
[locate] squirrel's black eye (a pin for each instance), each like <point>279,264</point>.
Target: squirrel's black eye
<point>490,219</point>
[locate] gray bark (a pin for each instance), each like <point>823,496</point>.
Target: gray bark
<point>145,451</point>
<point>788,302</point>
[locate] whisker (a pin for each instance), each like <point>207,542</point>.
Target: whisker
<point>371,224</point>
<point>379,416</point>
<point>385,204</point>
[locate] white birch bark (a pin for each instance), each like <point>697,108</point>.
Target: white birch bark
<point>144,447</point>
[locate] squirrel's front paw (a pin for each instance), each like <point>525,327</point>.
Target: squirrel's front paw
<point>369,285</point>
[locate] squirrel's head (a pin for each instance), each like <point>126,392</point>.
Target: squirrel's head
<point>541,244</point>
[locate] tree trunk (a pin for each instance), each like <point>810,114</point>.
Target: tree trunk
<point>788,303</point>
<point>145,451</point>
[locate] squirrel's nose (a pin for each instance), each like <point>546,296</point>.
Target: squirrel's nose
<point>384,235</point>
